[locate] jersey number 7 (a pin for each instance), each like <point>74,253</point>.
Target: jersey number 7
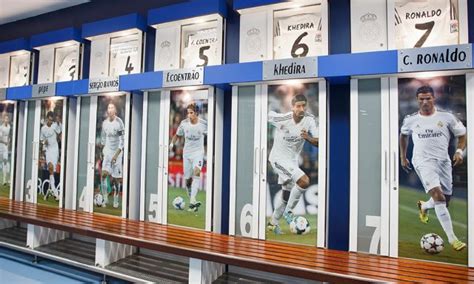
<point>428,26</point>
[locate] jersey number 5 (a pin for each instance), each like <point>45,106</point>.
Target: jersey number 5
<point>202,56</point>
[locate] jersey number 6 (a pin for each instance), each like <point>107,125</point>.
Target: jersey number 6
<point>298,45</point>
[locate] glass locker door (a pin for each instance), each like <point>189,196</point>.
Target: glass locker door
<point>7,147</point>
<point>369,231</point>
<point>245,162</point>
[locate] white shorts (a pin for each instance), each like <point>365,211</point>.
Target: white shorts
<point>287,171</point>
<point>3,151</point>
<point>52,156</point>
<point>435,173</point>
<point>190,162</point>
<point>115,170</point>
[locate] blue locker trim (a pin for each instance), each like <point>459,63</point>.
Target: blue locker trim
<point>150,39</point>
<point>56,37</point>
<point>14,45</point>
<point>244,4</point>
<point>338,166</point>
<point>116,24</point>
<point>470,15</point>
<point>19,93</point>
<point>225,198</point>
<point>187,10</point>
<point>72,88</point>
<point>232,42</point>
<point>141,81</point>
<point>369,63</point>
<point>233,73</point>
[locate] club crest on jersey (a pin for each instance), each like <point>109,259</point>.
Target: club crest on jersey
<point>423,14</point>
<point>165,44</point>
<point>369,30</point>
<point>253,41</point>
<point>440,124</point>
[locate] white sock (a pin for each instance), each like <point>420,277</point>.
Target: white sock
<point>445,220</point>
<point>105,190</point>
<point>51,185</point>
<point>430,204</point>
<point>295,196</point>
<point>278,211</point>
<point>194,189</point>
<point>4,170</point>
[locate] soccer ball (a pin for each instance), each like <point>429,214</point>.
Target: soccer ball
<point>178,203</point>
<point>98,199</point>
<point>300,226</point>
<point>432,243</point>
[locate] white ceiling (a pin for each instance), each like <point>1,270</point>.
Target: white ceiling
<point>14,10</point>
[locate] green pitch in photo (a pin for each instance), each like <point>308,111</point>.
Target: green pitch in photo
<point>109,208</point>
<point>50,200</point>
<point>289,237</point>
<point>5,190</point>
<point>184,217</point>
<point>411,229</point>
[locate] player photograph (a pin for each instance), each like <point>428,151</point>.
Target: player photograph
<point>426,23</point>
<point>433,169</point>
<point>109,152</point>
<point>49,162</point>
<point>292,171</point>
<point>187,158</point>
<point>6,133</point>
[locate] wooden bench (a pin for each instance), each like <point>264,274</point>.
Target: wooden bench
<point>293,260</point>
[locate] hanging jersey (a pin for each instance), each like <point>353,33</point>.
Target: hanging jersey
<point>298,36</point>
<point>66,64</point>
<point>50,134</point>
<point>5,134</point>
<point>124,56</point>
<point>431,134</point>
<point>112,136</point>
<point>193,135</point>
<point>425,23</point>
<point>19,70</point>
<point>288,143</point>
<point>201,49</point>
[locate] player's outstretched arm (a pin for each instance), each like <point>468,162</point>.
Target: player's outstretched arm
<point>458,158</point>
<point>405,163</point>
<point>312,140</point>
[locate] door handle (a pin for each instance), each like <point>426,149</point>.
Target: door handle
<point>394,171</point>
<point>255,161</point>
<point>262,161</point>
<point>385,166</point>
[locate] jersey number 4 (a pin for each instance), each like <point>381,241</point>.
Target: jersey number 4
<point>128,66</point>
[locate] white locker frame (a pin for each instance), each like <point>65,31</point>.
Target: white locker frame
<point>266,12</point>
<point>175,28</point>
<point>390,193</point>
<point>260,164</point>
<point>35,151</point>
<point>213,186</point>
<point>88,192</point>
<point>48,52</point>
<point>13,125</point>
<point>103,42</point>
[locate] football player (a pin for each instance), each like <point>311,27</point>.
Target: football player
<point>49,140</point>
<point>5,132</point>
<point>430,129</point>
<point>193,129</point>
<point>112,141</point>
<point>292,130</point>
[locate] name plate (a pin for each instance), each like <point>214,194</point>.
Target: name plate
<point>435,58</point>
<point>102,85</point>
<point>43,90</point>
<point>3,94</point>
<point>296,68</point>
<point>183,77</point>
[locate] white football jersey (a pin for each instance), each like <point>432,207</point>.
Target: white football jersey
<point>66,64</point>
<point>292,33</point>
<point>193,135</point>
<point>425,23</point>
<point>50,134</point>
<point>19,70</point>
<point>5,133</point>
<point>288,143</point>
<point>112,136</point>
<point>199,45</point>
<point>124,56</point>
<point>431,134</point>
